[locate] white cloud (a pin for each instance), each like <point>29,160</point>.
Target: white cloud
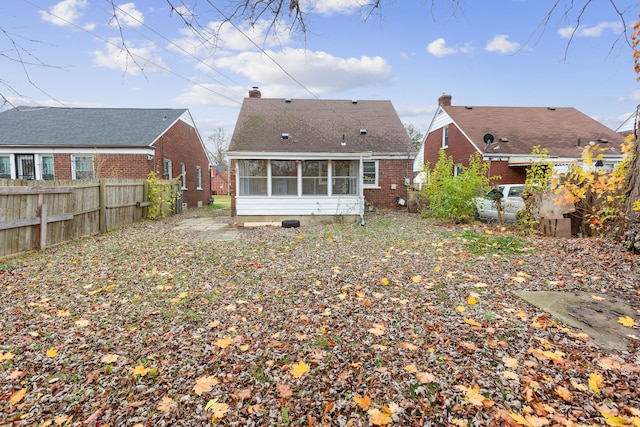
<point>211,94</point>
<point>328,7</point>
<point>320,72</point>
<point>221,36</point>
<point>135,61</point>
<point>438,47</point>
<point>595,31</point>
<point>501,44</point>
<point>128,16</point>
<point>65,12</point>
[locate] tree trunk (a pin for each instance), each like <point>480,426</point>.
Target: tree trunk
<point>633,190</point>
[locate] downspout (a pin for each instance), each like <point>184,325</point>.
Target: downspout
<point>361,191</point>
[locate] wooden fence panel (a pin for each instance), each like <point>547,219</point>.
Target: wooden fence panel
<point>36,214</point>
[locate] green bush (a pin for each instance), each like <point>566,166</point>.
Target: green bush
<point>451,197</point>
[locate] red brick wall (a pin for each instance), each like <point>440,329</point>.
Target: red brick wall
<point>460,149</point>
<point>181,145</point>
<point>389,172</point>
<point>62,166</point>
<point>134,166</point>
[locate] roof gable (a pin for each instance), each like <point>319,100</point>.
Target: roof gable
<point>563,131</point>
<point>319,126</point>
<point>86,127</point>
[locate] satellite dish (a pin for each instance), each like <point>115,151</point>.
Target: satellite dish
<point>488,138</point>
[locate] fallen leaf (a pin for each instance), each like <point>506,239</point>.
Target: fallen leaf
<point>411,368</point>
<point>223,342</point>
<point>471,322</point>
<point>378,418</point>
<point>218,409</point>
<point>165,405</point>
<point>109,358</point>
<point>425,377</point>
<point>82,323</point>
<point>363,402</point>
<point>52,352</point>
<point>377,330</point>
<point>284,391</point>
<point>510,375</point>
<point>141,370</point>
<point>6,356</point>
<point>472,301</point>
<point>510,362</point>
<point>17,396</point>
<point>564,393</point>
<point>595,381</point>
<point>204,384</point>
<point>299,369</point>
<point>626,321</point>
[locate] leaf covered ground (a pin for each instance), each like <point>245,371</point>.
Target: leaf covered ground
<point>399,322</point>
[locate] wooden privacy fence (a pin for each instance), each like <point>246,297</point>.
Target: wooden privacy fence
<point>37,214</point>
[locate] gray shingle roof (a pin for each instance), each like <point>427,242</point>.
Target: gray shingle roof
<point>84,127</point>
<point>318,126</point>
<point>557,129</point>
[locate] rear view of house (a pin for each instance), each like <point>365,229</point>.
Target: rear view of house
<point>45,143</point>
<point>316,160</point>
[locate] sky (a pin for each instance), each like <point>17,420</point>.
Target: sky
<point>69,53</point>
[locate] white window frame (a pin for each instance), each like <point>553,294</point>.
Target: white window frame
<point>10,166</point>
<point>183,176</point>
<point>167,169</point>
<point>198,178</point>
<point>445,136</point>
<point>53,169</point>
<point>365,182</point>
<point>74,159</point>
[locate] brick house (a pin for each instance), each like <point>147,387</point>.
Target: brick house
<point>220,179</point>
<point>75,143</point>
<point>316,160</point>
<point>505,136</point>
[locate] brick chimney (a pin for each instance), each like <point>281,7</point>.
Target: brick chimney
<point>444,100</point>
<point>255,93</point>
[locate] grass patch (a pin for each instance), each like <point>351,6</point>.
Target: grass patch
<point>487,244</point>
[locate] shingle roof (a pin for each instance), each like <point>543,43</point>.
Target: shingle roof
<point>317,126</point>
<point>84,127</point>
<point>563,131</point>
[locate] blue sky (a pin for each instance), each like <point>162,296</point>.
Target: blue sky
<point>494,52</point>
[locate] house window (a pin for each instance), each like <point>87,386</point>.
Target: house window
<point>314,177</point>
<point>345,177</point>
<point>198,177</point>
<point>167,169</point>
<point>82,167</point>
<point>370,178</point>
<point>26,166</point>
<point>445,136</point>
<point>252,177</point>
<point>183,176</point>
<point>457,170</point>
<point>5,167</point>
<point>47,168</point>
<point>284,178</point>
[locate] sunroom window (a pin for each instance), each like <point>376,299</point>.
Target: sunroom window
<point>252,177</point>
<point>345,177</point>
<point>284,178</point>
<point>314,177</point>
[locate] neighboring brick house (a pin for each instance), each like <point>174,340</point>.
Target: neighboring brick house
<point>316,160</point>
<point>74,143</point>
<point>505,136</point>
<point>220,179</point>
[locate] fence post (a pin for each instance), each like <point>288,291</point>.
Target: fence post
<point>103,206</point>
<point>43,225</point>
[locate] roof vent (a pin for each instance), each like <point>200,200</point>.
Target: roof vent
<point>469,107</point>
<point>504,139</point>
<point>288,100</point>
<point>363,131</point>
<point>551,108</point>
<point>354,101</point>
<point>285,135</point>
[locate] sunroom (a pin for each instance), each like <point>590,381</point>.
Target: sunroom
<point>313,188</point>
